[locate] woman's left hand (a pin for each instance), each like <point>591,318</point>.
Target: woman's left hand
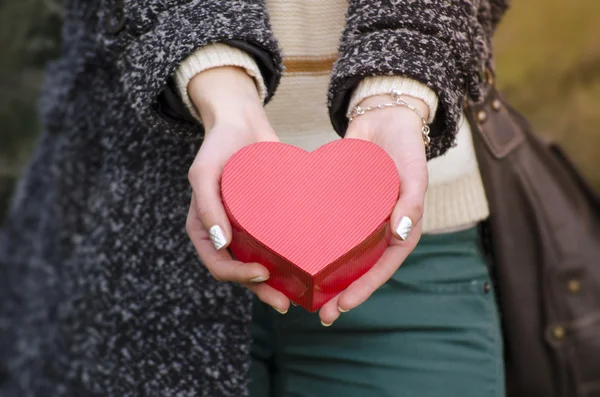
<point>398,131</point>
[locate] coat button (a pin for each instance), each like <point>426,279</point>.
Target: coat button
<point>558,332</point>
<point>481,116</point>
<point>496,104</point>
<point>574,286</point>
<point>115,18</point>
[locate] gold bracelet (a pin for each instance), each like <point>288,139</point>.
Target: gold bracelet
<point>398,101</point>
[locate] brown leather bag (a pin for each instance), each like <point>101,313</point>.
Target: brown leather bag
<point>544,235</point>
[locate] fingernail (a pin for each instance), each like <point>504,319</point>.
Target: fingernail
<point>325,324</point>
<point>279,311</point>
<point>404,228</point>
<point>342,310</point>
<point>294,303</point>
<point>258,279</point>
<point>217,237</point>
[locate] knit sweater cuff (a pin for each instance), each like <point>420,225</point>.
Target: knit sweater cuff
<point>380,85</point>
<point>212,56</point>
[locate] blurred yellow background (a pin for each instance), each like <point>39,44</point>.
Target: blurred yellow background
<point>547,56</point>
<point>548,65</point>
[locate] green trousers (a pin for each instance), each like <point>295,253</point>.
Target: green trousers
<point>430,331</point>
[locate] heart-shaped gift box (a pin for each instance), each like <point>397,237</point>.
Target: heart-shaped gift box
<point>317,220</point>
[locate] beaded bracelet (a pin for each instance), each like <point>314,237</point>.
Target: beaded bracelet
<point>398,101</point>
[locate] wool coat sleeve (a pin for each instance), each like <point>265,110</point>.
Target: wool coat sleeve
<point>159,35</point>
<point>440,43</point>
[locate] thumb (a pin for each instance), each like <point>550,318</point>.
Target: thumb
<point>205,179</point>
<point>409,208</point>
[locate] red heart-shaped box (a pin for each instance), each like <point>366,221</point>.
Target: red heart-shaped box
<point>317,220</point>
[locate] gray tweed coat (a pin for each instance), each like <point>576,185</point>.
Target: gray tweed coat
<point>101,293</point>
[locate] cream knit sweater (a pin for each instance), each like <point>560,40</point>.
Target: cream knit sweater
<point>308,32</point>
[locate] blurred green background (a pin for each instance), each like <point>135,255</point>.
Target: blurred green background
<point>29,37</point>
<point>547,55</point>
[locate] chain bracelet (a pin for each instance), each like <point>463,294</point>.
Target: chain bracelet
<point>398,101</point>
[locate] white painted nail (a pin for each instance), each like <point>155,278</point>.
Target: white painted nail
<point>342,310</point>
<point>258,279</point>
<point>404,228</point>
<point>279,311</point>
<point>217,237</point>
<point>326,324</point>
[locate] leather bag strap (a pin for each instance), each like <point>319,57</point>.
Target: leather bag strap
<point>500,134</point>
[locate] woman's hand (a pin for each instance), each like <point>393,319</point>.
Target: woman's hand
<point>233,117</point>
<point>398,131</point>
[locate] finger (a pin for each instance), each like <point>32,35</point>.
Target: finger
<point>361,289</point>
<point>330,312</point>
<point>409,208</point>
<point>205,178</point>
<point>269,295</point>
<point>219,263</point>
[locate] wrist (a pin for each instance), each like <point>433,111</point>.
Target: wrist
<point>376,117</point>
<point>225,93</point>
<point>383,99</point>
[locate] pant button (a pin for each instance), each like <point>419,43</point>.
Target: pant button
<point>487,287</point>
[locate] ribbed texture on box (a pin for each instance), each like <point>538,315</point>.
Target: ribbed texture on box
<point>310,214</point>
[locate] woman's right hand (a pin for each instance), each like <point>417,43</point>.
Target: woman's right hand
<point>233,117</point>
